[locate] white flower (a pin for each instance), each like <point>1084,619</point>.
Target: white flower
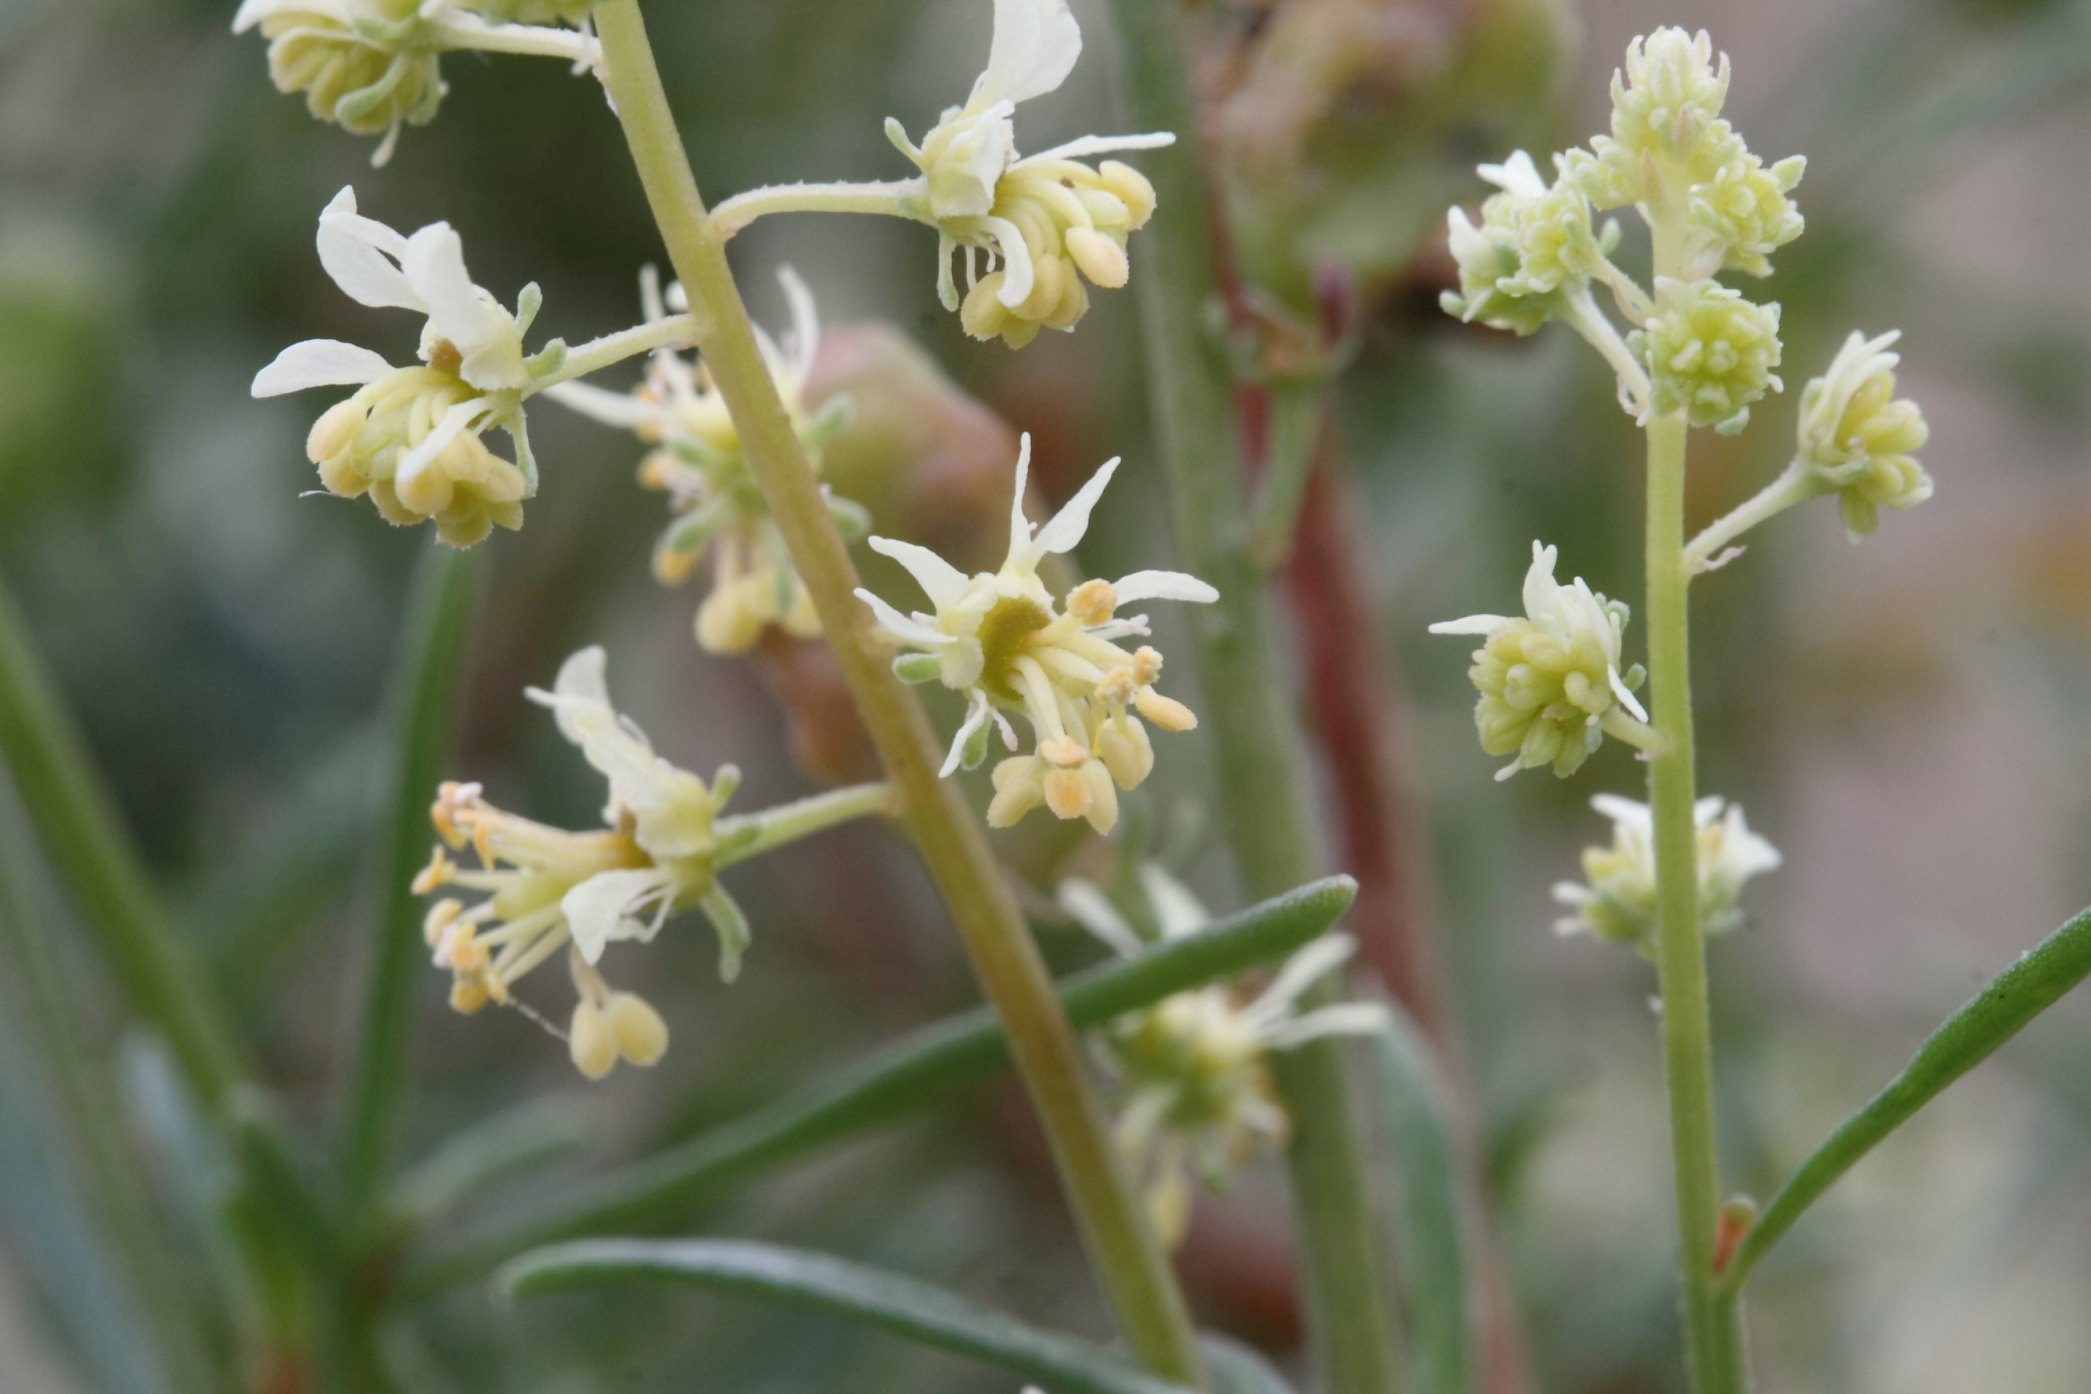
<point>411,436</point>
<point>1533,250</point>
<point>698,462</point>
<point>1619,903</point>
<point>1038,219</point>
<point>548,889</point>
<point>999,638</point>
<point>1550,682</point>
<point>1193,1069</point>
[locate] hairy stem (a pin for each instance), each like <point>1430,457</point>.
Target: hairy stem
<point>786,823</point>
<point>881,197</point>
<point>1134,1271</point>
<point>1796,485</point>
<point>1262,806</point>
<point>611,349</point>
<point>1713,1346</point>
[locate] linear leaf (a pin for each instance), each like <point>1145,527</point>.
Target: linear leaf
<point>424,703</point>
<point>918,1070</point>
<point>2000,1011</point>
<point>1432,1257</point>
<point>816,1282</point>
<point>1236,1369</point>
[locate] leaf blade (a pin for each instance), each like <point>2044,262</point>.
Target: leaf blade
<point>1432,1257</point>
<point>903,1306</point>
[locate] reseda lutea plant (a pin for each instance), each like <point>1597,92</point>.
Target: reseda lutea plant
<point>1693,353</point>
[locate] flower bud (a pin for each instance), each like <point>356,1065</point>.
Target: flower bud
<point>1860,439</point>
<point>370,444</point>
<point>1534,246</point>
<point>1745,213</point>
<point>1710,353</point>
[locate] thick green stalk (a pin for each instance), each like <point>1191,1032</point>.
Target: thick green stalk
<point>86,842</point>
<point>1713,1343</point>
<point>1262,805</point>
<point>1134,1270</point>
<point>423,707</point>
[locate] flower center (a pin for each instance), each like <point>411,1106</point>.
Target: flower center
<point>1003,632</point>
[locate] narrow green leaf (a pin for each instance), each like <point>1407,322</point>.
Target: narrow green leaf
<point>86,842</point>
<point>2000,1011</point>
<point>922,1068</point>
<point>510,1143</point>
<point>1432,1256</point>
<point>817,1282</point>
<point>424,702</point>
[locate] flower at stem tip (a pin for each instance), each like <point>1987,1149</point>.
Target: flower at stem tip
<point>1193,1070</point>
<point>549,890</point>
<point>698,462</point>
<point>999,638</point>
<point>1618,903</point>
<point>1550,684</point>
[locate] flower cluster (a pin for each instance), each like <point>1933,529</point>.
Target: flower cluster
<point>1693,346</point>
<point>1550,683</point>
<point>1192,1071</point>
<point>1618,903</point>
<point>698,462</point>
<point>1047,226</point>
<point>1534,249</point>
<point>999,638</point>
<point>1859,439</point>
<point>548,889</point>
<point>1710,353</point>
<point>373,67</point>
<point>413,438</point>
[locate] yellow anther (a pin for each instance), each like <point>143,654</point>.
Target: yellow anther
<point>1093,602</point>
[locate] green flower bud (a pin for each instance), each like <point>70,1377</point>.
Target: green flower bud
<point>1535,247</point>
<point>1710,353</point>
<point>370,76</point>
<point>1745,211</point>
<point>1860,439</point>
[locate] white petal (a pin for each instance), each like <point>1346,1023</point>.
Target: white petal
<point>1625,812</point>
<point>805,323</point>
<point>1541,589</point>
<point>940,580</point>
<point>455,423</point>
<point>1065,531</point>
<point>1305,968</point>
<point>362,255</point>
<point>583,677</point>
<point>1017,273</point>
<point>1342,1019</point>
<point>1176,910</point>
<point>1019,521</point>
<point>1472,624</point>
<point>1516,175</point>
<point>460,311</point>
<point>319,363</point>
<point>620,409</point>
<point>1164,585</point>
<point>1100,145</point>
<point>1099,916</point>
<point>1035,47</point>
<point>1626,696</point>
<point>912,631</point>
<point>600,909</point>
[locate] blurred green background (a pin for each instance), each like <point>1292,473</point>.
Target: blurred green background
<point>1907,720</point>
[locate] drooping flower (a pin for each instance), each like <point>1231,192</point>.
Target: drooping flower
<point>1859,438</point>
<point>373,67</point>
<point>1193,1070</point>
<point>1550,683</point>
<point>412,438</point>
<point>698,462</point>
<point>1618,903</point>
<point>548,889</point>
<point>1534,247</point>
<point>999,638</point>
<point>1043,224</point>
<point>1710,353</point>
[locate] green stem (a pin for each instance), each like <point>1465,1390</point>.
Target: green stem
<point>887,197</point>
<point>1262,806</point>
<point>1796,485</point>
<point>1134,1270</point>
<point>1713,1346</point>
<point>86,841</point>
<point>1295,425</point>
<point>774,827</point>
<point>611,349</point>
<point>523,40</point>
<point>423,706</point>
